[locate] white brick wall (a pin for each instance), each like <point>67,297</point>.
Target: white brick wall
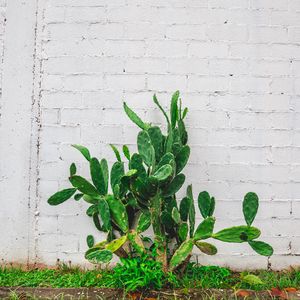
<point>237,65</point>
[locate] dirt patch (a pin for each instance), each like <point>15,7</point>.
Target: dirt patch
<point>115,294</point>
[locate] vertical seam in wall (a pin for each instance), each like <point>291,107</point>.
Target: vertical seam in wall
<point>2,57</point>
<point>33,186</point>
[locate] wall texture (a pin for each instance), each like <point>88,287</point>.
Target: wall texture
<point>68,65</point>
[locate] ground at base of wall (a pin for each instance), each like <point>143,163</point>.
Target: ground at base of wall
<point>115,294</point>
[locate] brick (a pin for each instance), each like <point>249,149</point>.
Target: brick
<point>227,32</point>
<point>205,50</point>
<point>268,34</point>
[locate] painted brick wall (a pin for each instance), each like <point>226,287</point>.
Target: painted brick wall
<point>237,65</point>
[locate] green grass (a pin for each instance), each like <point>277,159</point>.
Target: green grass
<point>130,278</point>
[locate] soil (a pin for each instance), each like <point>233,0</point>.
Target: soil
<point>115,294</point>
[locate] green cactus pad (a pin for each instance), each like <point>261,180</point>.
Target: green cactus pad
<point>90,241</point>
<point>97,176</point>
<point>174,109</point>
<point>93,209</point>
<point>167,158</point>
<point>163,173</point>
<point>118,212</point>
<point>184,208</point>
<point>250,207</point>
<point>155,100</point>
<point>206,204</point>
<point>183,231</point>
<point>237,234</point>
<point>174,186</point>
<point>145,147</point>
<point>114,245</point>
<point>126,152</point>
<point>83,186</point>
<point>90,199</point>
<point>176,215</point>
<point>105,173</point>
<point>83,150</point>
<point>136,242</point>
<point>99,256</point>
<point>104,212</point>
<point>136,163</point>
<point>182,158</point>
<point>156,141</point>
<point>192,212</point>
<point>206,248</point>
<point>181,254</point>
<point>61,196</point>
<point>205,229</point>
<point>135,118</point>
<point>144,221</point>
<point>182,132</point>
<point>73,169</point>
<point>261,248</point>
<point>117,171</point>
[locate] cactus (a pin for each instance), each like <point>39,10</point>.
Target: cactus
<point>142,194</point>
<point>205,229</point>
<point>61,196</point>
<point>90,241</point>
<point>250,207</point>
<point>182,158</point>
<point>206,248</point>
<point>145,147</point>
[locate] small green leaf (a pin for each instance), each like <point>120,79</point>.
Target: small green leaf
<point>83,150</point>
<point>252,279</point>
<point>206,248</point>
<point>185,111</point>
<point>181,254</point>
<point>84,186</point>
<point>61,196</point>
<point>205,229</point>
<point>90,241</point>
<point>116,151</point>
<point>250,207</point>
<point>237,234</point>
<point>261,248</point>
<point>73,169</point>
<point>126,152</point>
<point>135,118</point>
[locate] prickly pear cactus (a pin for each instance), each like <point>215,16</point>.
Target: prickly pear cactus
<point>142,194</point>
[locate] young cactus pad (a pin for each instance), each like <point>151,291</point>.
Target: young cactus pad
<point>139,192</point>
